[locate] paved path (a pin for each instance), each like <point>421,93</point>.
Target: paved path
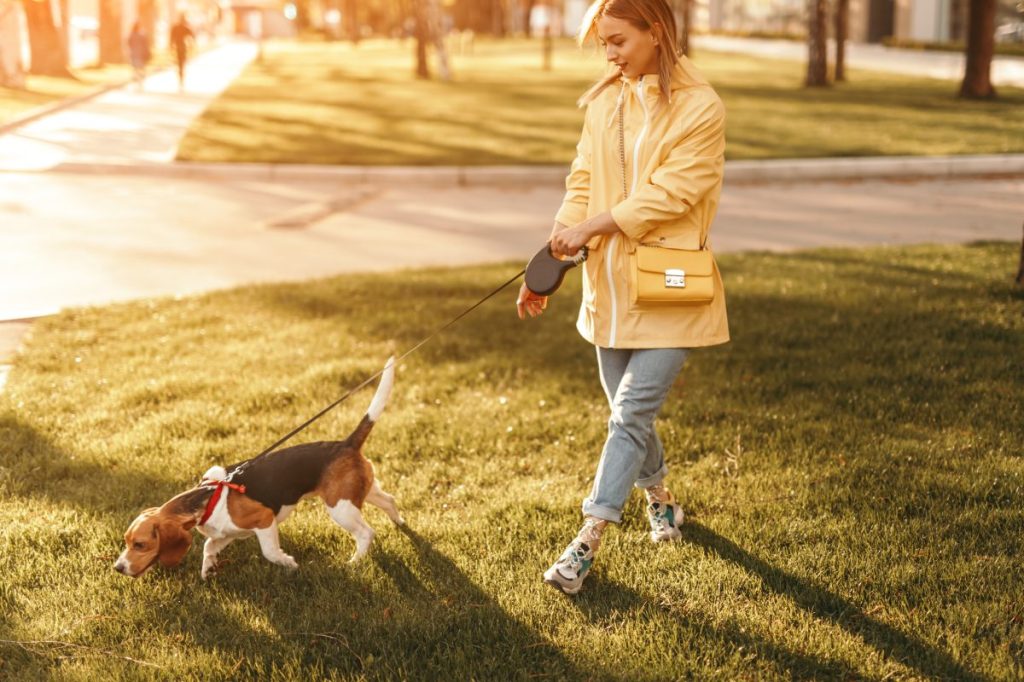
<point>113,238</point>
<point>127,125</point>
<point>934,64</point>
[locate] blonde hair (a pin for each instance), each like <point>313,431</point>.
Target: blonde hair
<point>645,15</point>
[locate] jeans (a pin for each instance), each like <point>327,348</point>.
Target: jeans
<point>636,382</point>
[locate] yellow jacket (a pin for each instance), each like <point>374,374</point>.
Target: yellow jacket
<point>675,158</point>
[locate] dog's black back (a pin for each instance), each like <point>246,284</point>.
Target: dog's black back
<point>282,477</point>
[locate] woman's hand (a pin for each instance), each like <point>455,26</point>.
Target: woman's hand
<point>529,302</point>
<point>570,240</point>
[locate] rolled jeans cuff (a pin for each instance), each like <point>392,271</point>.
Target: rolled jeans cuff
<point>605,513</point>
<point>654,479</point>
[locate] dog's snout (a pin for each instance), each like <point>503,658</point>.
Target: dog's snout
<point>120,567</point>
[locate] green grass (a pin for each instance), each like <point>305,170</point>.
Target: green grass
<point>850,464</point>
<point>334,104</point>
<point>42,90</point>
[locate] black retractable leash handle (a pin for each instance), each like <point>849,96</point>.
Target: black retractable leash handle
<point>545,272</point>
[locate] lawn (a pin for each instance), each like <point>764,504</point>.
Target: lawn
<point>42,90</point>
<point>850,465</point>
<point>332,103</point>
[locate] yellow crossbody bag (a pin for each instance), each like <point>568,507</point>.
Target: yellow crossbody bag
<point>663,274</point>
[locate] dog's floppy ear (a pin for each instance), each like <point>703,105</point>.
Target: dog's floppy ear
<point>175,539</point>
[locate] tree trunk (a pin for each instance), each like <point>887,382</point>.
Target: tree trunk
<point>11,74</point>
<point>981,22</point>
<point>111,40</point>
<point>1020,267</point>
<point>842,23</point>
<point>48,55</point>
<point>422,35</point>
<point>350,18</point>
<point>437,32</point>
<point>817,59</point>
<point>498,16</point>
<point>684,15</point>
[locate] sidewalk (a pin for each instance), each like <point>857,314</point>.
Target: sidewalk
<point>929,63</point>
<point>126,126</point>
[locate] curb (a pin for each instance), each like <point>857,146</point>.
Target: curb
<point>12,336</point>
<point>772,170</point>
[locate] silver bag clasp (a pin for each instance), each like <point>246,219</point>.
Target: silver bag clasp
<point>675,279</point>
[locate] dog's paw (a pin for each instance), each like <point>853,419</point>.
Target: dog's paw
<point>287,561</point>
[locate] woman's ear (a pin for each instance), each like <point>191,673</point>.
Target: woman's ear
<point>175,539</point>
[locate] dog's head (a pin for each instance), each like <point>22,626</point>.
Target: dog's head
<point>155,535</point>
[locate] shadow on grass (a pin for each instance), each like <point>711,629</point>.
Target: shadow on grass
<point>605,601</point>
<point>473,620</point>
<point>41,470</point>
<point>910,651</point>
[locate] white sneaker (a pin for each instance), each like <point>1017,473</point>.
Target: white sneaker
<point>568,572</point>
<point>665,518</point>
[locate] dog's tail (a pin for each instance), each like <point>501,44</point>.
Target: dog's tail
<point>380,399</point>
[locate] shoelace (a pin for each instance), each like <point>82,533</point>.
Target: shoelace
<point>575,556</point>
<point>659,516</point>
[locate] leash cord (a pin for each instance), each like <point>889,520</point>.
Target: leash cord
<point>345,397</point>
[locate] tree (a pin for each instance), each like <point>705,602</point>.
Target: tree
<point>350,16</point>
<point>842,23</point>
<point>422,31</point>
<point>683,10</point>
<point>438,33</point>
<point>817,58</point>
<point>110,38</point>
<point>49,58</point>
<point>11,74</point>
<point>981,28</point>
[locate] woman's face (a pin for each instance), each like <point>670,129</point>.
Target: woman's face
<point>633,50</point>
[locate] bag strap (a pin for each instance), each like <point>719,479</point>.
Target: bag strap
<point>622,158</point>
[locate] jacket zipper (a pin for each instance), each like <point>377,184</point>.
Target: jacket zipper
<point>613,242</point>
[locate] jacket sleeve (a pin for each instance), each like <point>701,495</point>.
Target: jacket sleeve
<point>693,166</point>
<point>577,184</point>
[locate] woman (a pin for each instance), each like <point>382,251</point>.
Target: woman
<point>138,52</point>
<point>648,171</point>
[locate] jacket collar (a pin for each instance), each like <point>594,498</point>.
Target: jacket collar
<point>684,75</point>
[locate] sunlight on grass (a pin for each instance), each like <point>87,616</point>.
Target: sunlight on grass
<point>850,465</point>
<point>42,90</point>
<point>333,103</point>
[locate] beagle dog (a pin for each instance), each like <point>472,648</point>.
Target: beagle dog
<point>254,497</point>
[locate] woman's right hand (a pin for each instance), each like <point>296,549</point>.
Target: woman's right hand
<point>529,302</point>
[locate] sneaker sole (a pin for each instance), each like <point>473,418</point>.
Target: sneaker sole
<point>562,588</point>
<point>670,537</point>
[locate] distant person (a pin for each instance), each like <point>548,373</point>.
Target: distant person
<point>181,36</point>
<point>138,52</point>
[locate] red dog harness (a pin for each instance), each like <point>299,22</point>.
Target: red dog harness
<point>220,485</point>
